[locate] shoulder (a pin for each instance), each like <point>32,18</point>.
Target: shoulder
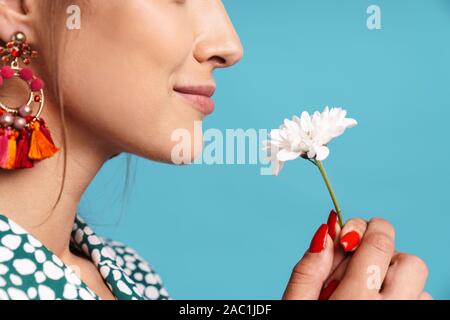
<point>148,281</point>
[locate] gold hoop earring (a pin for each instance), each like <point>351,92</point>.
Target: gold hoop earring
<point>24,137</point>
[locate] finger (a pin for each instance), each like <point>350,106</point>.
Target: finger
<point>339,273</point>
<point>352,234</point>
<point>425,296</point>
<point>334,230</point>
<point>369,264</point>
<point>341,258</point>
<point>312,270</point>
<point>406,277</point>
<point>356,225</point>
<point>334,279</point>
<point>333,225</point>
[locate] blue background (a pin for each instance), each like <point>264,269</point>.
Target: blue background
<point>228,232</point>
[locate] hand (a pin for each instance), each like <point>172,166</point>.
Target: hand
<point>358,262</point>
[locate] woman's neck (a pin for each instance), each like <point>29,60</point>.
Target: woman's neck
<point>28,195</point>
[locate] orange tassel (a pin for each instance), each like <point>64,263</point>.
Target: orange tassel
<point>12,149</point>
<point>40,147</point>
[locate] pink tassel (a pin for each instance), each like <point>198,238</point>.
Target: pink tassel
<point>4,141</point>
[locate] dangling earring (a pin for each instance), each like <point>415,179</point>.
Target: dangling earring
<point>24,138</point>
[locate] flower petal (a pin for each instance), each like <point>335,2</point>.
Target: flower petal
<point>322,153</point>
<point>311,153</point>
<point>275,134</point>
<point>292,127</point>
<point>276,167</point>
<point>286,155</point>
<point>350,123</point>
<point>305,121</point>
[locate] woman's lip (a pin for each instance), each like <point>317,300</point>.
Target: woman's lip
<point>207,90</point>
<point>199,97</point>
<point>203,104</point>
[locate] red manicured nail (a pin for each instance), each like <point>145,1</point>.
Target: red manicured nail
<point>319,240</point>
<point>328,290</point>
<point>332,224</point>
<point>350,241</point>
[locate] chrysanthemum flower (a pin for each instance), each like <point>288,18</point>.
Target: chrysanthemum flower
<point>307,136</point>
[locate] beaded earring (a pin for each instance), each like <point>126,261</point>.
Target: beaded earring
<point>24,137</point>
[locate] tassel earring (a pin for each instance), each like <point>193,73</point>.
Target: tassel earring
<point>24,137</point>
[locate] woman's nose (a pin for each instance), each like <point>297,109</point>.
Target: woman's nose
<point>219,44</point>
<point>221,53</point>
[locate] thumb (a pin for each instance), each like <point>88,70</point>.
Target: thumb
<point>313,269</point>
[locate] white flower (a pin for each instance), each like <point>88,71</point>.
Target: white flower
<point>307,136</point>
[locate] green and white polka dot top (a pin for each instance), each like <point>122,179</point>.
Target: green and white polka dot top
<point>30,271</point>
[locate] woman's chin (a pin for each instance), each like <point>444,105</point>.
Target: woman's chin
<point>180,146</point>
<point>186,151</point>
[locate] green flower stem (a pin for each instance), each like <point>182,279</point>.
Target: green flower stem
<point>332,194</point>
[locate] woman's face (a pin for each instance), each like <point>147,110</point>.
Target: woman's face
<point>138,70</point>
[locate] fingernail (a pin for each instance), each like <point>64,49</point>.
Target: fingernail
<point>350,241</point>
<point>319,240</point>
<point>332,224</point>
<point>328,290</point>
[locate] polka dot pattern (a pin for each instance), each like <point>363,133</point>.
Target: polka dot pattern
<point>30,271</point>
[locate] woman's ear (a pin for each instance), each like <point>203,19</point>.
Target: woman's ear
<point>14,17</point>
